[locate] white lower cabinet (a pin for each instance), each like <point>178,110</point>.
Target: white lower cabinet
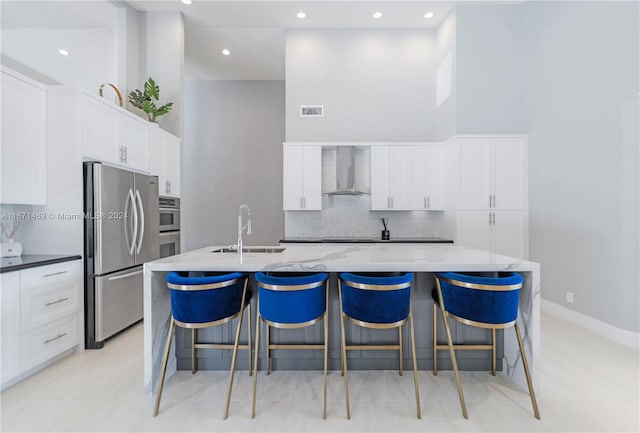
<point>501,232</point>
<point>40,316</point>
<point>10,343</point>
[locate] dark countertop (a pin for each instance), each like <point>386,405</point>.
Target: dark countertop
<point>9,264</point>
<point>433,240</point>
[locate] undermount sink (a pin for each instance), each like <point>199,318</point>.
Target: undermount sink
<point>263,250</point>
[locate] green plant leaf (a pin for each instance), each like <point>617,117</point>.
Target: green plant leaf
<point>164,109</point>
<point>151,89</point>
<point>136,98</point>
<point>149,107</point>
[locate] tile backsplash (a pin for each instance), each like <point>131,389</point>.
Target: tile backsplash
<point>350,216</point>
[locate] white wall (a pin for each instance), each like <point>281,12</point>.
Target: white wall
<point>489,83</point>
<point>164,62</point>
<point>582,83</point>
<point>446,45</point>
<point>375,85</point>
<point>233,155</point>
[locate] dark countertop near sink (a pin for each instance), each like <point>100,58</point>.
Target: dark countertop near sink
<point>9,264</point>
<point>433,240</point>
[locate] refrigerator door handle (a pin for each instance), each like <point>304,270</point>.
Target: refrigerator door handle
<point>127,222</point>
<point>135,222</point>
<point>141,220</point>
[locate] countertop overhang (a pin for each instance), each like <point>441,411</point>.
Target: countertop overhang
<point>369,257</point>
<point>429,240</point>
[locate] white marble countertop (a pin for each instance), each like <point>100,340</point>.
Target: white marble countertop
<point>346,257</point>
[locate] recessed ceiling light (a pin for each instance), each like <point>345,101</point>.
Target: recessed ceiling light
<point>429,15</point>
<point>301,15</point>
<point>63,52</point>
<point>377,15</point>
<point>226,52</point>
<point>186,2</point>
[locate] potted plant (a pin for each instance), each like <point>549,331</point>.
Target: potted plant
<point>145,101</point>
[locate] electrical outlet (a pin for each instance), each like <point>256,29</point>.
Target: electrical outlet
<point>570,297</point>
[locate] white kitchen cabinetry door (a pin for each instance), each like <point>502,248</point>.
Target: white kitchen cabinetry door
<point>23,153</point>
<point>509,173</point>
<point>136,142</point>
<point>501,232</point>
<point>101,137</point>
<point>475,183</point>
<point>493,172</point>
<point>164,162</point>
<point>380,178</point>
<point>10,343</point>
<point>429,187</point>
<point>302,178</point>
<point>509,234</point>
<point>396,173</point>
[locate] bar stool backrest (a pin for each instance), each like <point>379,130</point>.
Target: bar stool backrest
<point>204,297</point>
<point>288,298</point>
<point>376,298</point>
<point>480,299</point>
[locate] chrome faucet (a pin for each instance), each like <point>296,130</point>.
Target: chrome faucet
<point>241,227</point>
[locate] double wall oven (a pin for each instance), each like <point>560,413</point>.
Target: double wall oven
<point>169,226</point>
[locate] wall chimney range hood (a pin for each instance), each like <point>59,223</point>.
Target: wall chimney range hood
<point>346,172</point>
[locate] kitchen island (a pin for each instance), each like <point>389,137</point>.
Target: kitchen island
<point>421,259</point>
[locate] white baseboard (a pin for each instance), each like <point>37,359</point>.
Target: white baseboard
<point>621,336</point>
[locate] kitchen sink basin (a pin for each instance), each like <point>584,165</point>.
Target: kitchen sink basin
<point>263,250</point>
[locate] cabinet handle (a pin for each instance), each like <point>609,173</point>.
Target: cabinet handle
<point>494,201</point>
<point>126,154</point>
<point>54,338</point>
<point>169,182</point>
<point>489,200</point>
<point>494,218</point>
<point>304,201</point>
<point>56,302</point>
<point>489,218</point>
<point>55,273</point>
<point>391,202</point>
<point>428,203</point>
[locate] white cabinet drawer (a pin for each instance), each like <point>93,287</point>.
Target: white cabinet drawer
<point>43,304</point>
<point>48,341</point>
<point>51,274</point>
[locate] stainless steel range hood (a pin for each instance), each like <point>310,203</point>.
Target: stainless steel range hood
<point>346,172</point>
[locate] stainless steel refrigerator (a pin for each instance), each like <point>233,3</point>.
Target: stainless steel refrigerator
<point>120,234</point>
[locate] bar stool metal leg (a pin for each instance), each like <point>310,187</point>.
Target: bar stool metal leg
<point>165,360</point>
<point>235,352</point>
<point>255,360</point>
<point>452,354</point>
<point>193,350</point>
<point>343,351</point>
<point>532,394</point>
<point>249,336</point>
<point>400,347</point>
<point>415,366</point>
<point>267,332</point>
<point>326,347</point>
<point>493,351</point>
<point>435,340</point>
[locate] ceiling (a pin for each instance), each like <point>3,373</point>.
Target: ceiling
<point>253,31</point>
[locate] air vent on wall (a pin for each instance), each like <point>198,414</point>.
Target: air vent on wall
<point>311,110</point>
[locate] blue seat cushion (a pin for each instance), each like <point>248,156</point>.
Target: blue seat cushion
<point>291,306</point>
<point>376,306</point>
<point>492,307</point>
<point>209,305</point>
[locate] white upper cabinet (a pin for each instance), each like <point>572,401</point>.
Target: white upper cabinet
<point>112,134</point>
<point>23,151</point>
<point>164,160</point>
<point>406,177</point>
<point>302,177</point>
<point>428,162</point>
<point>492,173</point>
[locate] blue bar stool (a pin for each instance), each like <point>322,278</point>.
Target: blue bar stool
<point>202,300</point>
<point>489,302</point>
<point>290,301</point>
<point>376,301</point>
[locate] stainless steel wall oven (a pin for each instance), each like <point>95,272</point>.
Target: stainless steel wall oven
<point>169,226</point>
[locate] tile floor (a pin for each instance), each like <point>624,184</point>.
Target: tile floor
<point>587,384</point>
